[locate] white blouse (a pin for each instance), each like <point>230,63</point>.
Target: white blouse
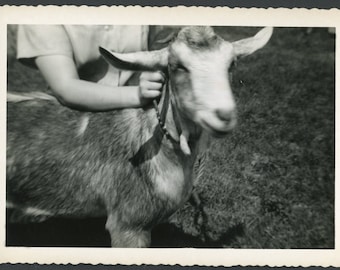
<point>81,42</point>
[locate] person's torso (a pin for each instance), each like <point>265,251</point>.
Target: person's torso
<point>86,39</point>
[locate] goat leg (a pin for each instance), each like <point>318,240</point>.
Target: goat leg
<point>122,236</point>
<point>201,217</point>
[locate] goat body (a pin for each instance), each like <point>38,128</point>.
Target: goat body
<point>117,164</point>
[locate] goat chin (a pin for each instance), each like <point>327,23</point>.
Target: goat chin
<point>214,126</point>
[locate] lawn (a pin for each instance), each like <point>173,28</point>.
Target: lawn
<point>270,182</point>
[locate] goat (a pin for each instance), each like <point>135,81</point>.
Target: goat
<point>133,165</point>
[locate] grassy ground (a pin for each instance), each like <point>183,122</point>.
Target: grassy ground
<point>270,183</point>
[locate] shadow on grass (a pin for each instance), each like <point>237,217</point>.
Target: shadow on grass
<point>168,235</point>
<point>57,232</point>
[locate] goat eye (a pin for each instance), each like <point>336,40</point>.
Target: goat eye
<point>180,67</point>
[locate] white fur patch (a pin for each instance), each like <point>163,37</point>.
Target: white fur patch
<point>36,212</point>
<point>16,97</point>
<point>32,211</point>
<point>83,123</point>
<point>169,179</point>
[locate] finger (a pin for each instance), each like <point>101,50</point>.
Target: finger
<point>150,94</point>
<point>156,76</point>
<point>147,85</point>
<point>145,91</point>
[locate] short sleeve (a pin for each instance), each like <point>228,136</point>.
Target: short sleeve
<point>40,40</point>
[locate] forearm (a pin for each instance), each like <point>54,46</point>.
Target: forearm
<point>84,95</point>
<point>61,75</point>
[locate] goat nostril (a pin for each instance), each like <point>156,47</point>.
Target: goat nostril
<point>225,115</point>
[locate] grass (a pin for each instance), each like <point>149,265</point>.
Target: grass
<point>274,175</point>
<point>269,183</point>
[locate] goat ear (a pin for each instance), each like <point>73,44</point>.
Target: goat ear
<point>138,61</point>
<point>247,46</point>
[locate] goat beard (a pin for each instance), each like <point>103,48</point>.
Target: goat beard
<point>183,142</point>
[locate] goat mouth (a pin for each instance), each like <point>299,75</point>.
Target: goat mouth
<point>217,132</point>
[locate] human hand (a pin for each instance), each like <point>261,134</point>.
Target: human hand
<point>150,86</point>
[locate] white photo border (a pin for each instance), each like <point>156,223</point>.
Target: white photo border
<point>162,16</point>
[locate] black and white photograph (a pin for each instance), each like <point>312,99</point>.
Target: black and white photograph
<point>214,137</point>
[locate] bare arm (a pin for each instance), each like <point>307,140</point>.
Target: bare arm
<point>61,74</point>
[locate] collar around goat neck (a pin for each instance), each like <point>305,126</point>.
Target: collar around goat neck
<point>162,113</point>
<point>182,131</point>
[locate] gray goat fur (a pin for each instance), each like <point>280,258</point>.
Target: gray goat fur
<point>106,169</point>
